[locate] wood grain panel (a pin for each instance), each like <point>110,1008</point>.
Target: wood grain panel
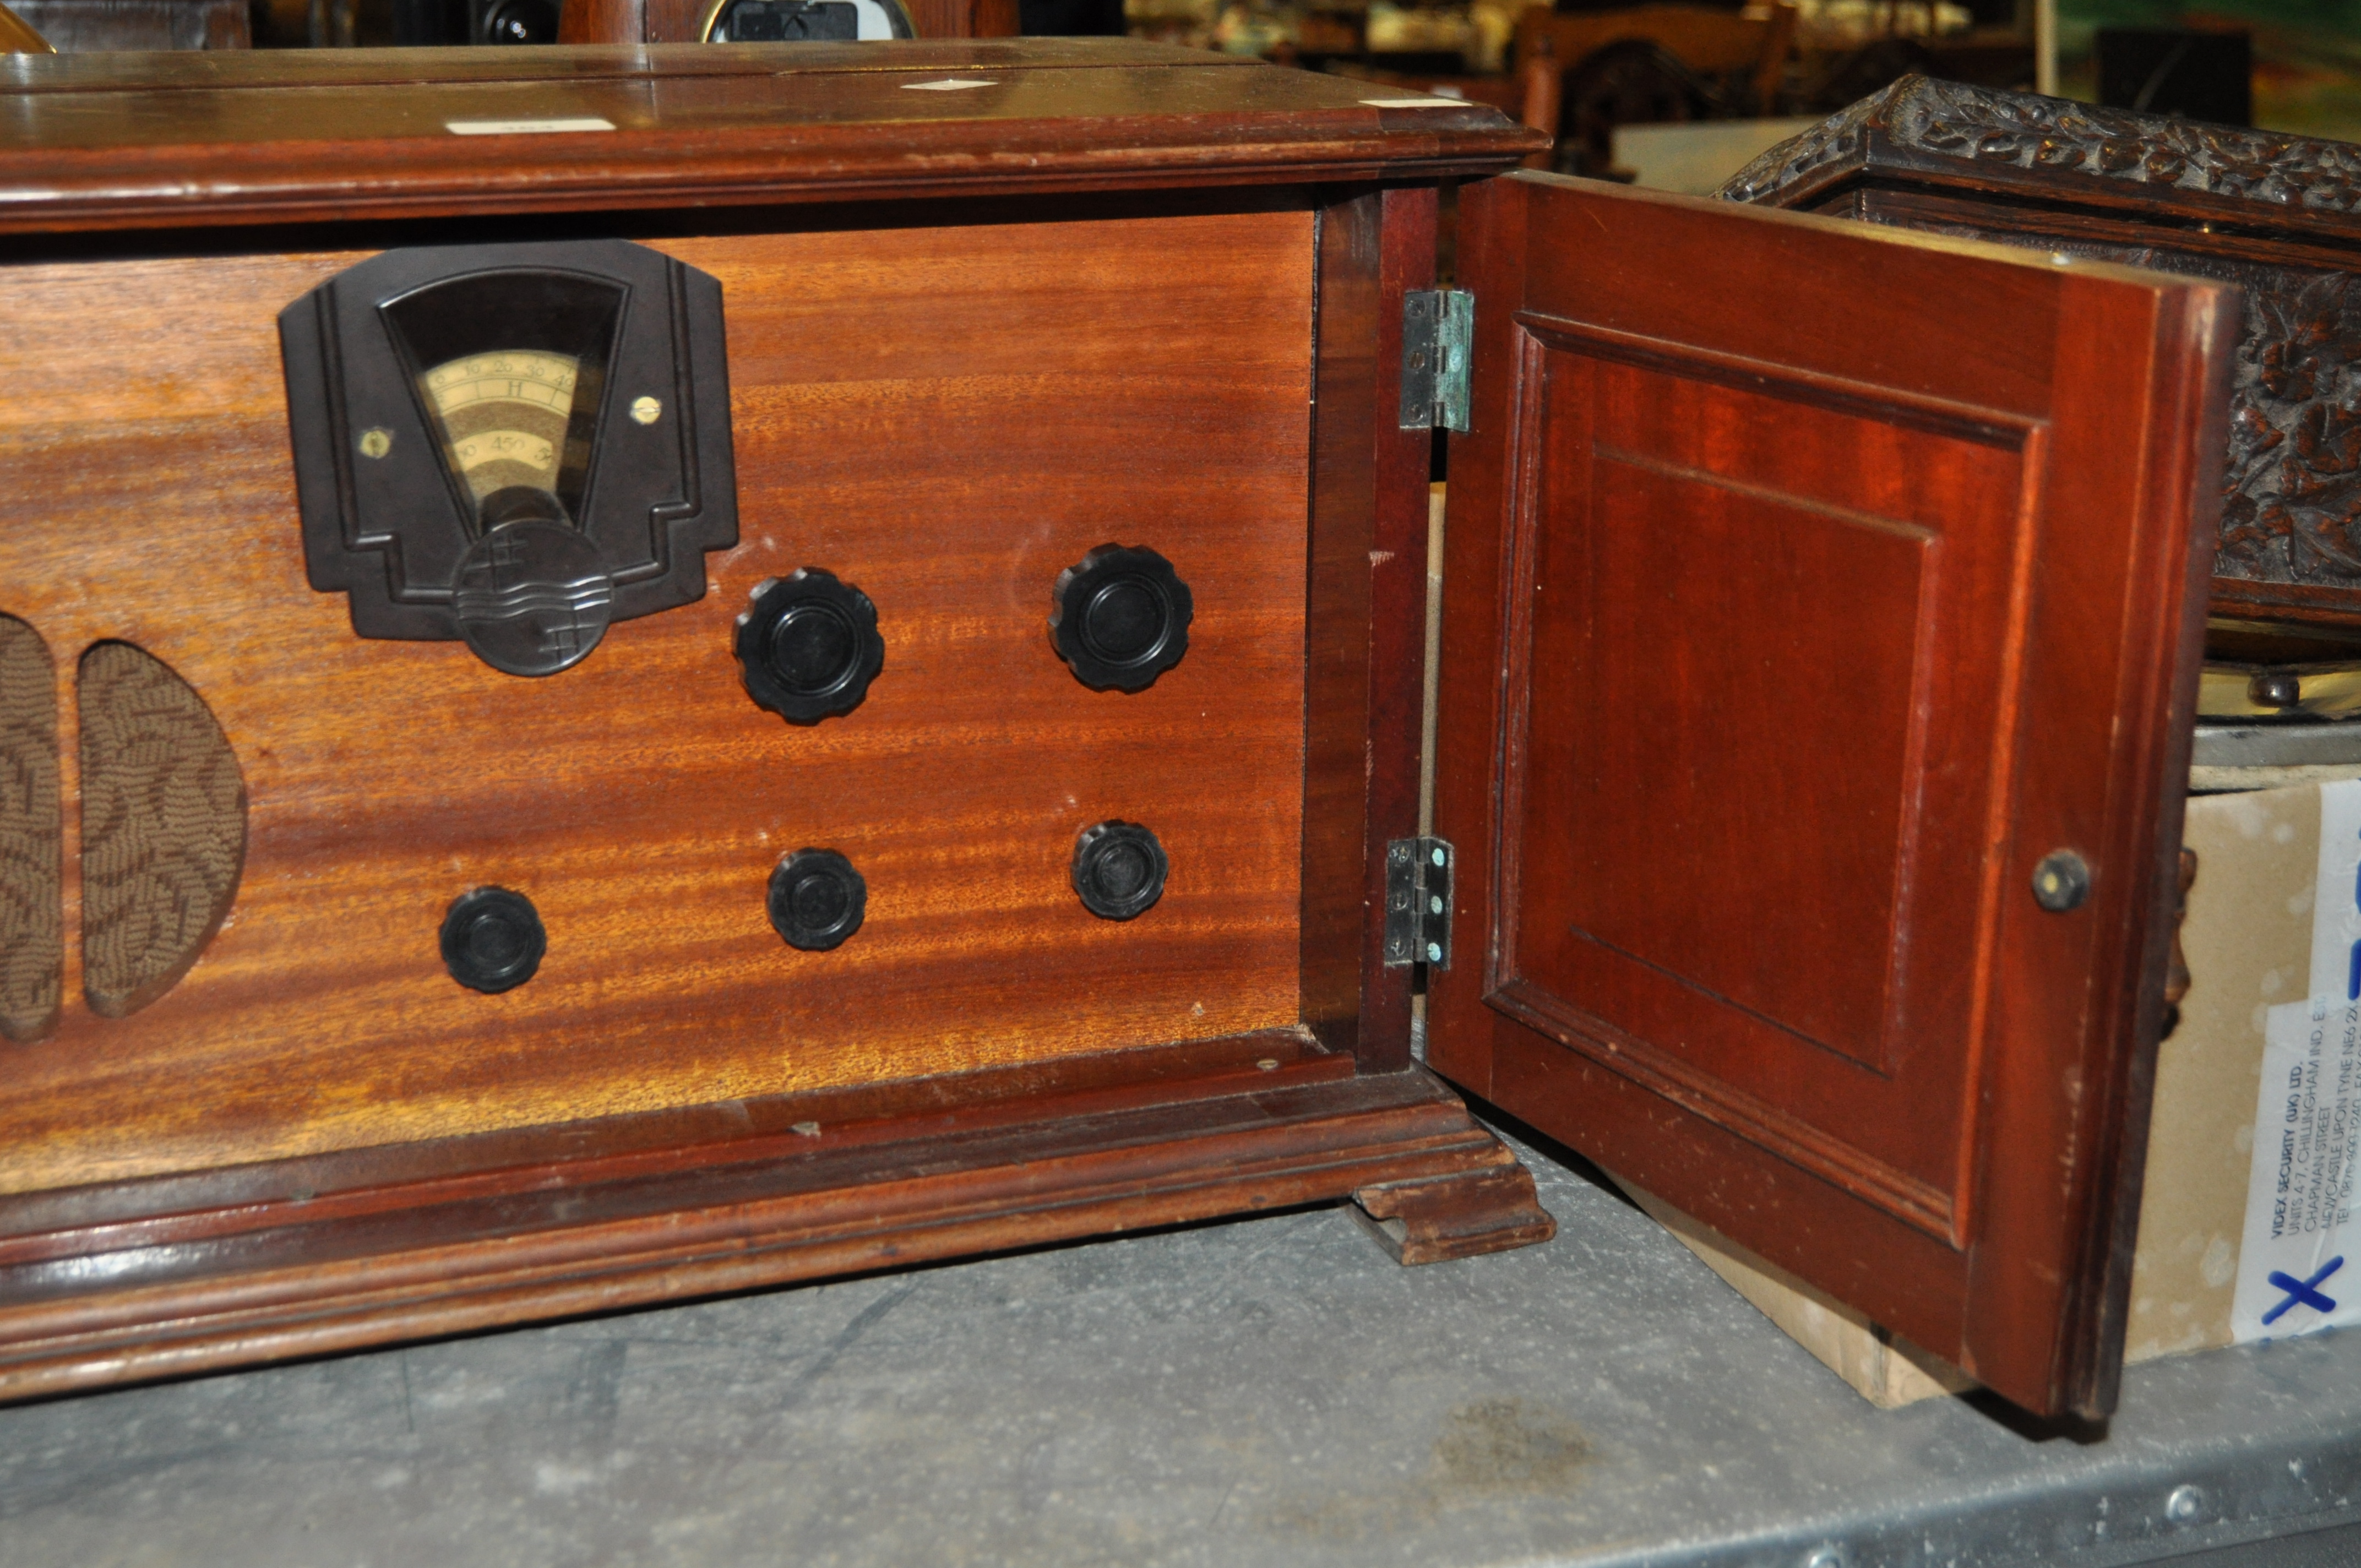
<point>1683,599</point>
<point>945,418</point>
<point>1718,581</point>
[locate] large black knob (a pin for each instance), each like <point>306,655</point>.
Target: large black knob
<point>492,939</point>
<point>1120,617</point>
<point>817,900</point>
<point>1119,870</point>
<point>534,596</point>
<point>809,646</point>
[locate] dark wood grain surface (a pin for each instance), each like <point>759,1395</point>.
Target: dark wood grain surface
<point>1791,622</point>
<point>146,141</point>
<point>946,418</point>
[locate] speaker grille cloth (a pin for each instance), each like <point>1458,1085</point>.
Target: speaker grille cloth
<point>32,915</point>
<point>163,828</point>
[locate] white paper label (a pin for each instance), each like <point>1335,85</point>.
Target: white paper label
<point>1416,103</point>
<point>542,126</point>
<point>2293,1269</point>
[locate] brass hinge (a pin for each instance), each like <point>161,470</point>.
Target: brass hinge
<point>1438,334</point>
<point>1418,903</point>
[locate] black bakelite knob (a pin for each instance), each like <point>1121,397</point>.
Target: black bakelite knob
<point>1120,617</point>
<point>1119,870</point>
<point>809,646</point>
<point>817,900</point>
<point>534,596</point>
<point>492,939</point>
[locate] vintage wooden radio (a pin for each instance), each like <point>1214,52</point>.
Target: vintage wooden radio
<point>632,672</point>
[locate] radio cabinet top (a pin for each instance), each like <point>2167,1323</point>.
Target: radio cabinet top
<point>108,141</point>
<point>634,671</point>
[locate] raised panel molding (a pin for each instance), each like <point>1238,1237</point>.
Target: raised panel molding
<point>1869,1044</point>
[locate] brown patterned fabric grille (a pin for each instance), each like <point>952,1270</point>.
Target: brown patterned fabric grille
<point>163,828</point>
<point>32,918</point>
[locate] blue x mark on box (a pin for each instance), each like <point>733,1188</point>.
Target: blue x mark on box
<point>2303,1292</point>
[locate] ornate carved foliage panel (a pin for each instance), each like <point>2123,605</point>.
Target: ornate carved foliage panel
<point>163,828</point>
<point>2291,483</point>
<point>32,922</point>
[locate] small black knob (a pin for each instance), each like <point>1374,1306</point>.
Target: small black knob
<point>817,900</point>
<point>1119,870</point>
<point>492,939</point>
<point>809,646</point>
<point>1120,617</point>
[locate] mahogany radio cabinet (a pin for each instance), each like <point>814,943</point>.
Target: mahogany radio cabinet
<point>637,671</point>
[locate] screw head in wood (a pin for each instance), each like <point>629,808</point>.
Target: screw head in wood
<point>2061,881</point>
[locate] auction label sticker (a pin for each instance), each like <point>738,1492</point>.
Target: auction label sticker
<point>2293,1273</point>
<point>540,124</point>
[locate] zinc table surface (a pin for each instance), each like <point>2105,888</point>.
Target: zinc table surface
<point>1267,1392</point>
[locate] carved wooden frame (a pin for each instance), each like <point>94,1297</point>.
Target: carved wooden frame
<point>2280,215</point>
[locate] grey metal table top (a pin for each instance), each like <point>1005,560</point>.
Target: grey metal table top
<point>1273,1391</point>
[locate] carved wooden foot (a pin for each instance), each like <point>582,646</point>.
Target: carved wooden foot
<point>1460,1215</point>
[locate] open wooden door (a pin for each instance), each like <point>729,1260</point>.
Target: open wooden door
<point>1820,639</point>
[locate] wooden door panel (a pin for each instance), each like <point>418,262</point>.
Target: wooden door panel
<point>1806,589</point>
<point>1731,585</point>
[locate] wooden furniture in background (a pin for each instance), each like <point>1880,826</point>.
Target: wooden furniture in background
<point>1769,697</point>
<point>1745,55</point>
<point>2278,216</point>
<point>1586,72</point>
<point>79,27</point>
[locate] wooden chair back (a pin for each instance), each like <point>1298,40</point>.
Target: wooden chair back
<point>1750,47</point>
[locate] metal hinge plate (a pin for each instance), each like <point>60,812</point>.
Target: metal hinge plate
<point>1438,333</point>
<point>1418,903</point>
